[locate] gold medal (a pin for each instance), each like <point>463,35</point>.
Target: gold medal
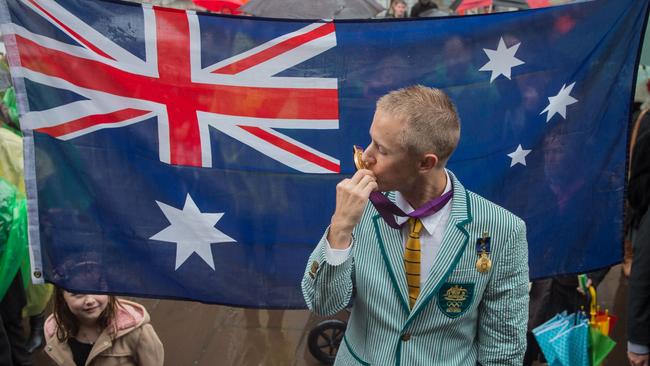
<point>358,157</point>
<point>484,263</point>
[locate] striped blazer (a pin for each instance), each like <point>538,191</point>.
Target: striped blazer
<point>461,317</point>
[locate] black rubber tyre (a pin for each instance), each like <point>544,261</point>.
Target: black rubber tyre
<point>324,340</point>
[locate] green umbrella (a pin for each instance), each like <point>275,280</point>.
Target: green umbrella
<point>13,235</point>
<point>600,346</point>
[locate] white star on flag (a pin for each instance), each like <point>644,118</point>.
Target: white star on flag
<point>192,230</point>
<point>519,156</point>
<point>502,60</point>
<point>558,103</point>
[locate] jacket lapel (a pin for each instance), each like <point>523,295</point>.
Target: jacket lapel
<point>102,343</point>
<point>453,245</point>
<point>392,252</point>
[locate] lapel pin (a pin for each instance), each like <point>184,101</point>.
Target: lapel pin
<point>484,263</point>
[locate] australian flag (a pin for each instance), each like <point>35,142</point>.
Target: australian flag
<point>185,155</point>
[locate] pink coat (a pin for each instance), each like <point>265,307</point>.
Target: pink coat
<point>136,342</point>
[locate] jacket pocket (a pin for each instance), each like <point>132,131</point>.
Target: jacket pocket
<point>465,275</point>
<point>346,355</point>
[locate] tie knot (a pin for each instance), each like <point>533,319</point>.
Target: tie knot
<point>416,226</point>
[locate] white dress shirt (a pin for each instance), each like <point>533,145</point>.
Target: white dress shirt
<point>430,237</point>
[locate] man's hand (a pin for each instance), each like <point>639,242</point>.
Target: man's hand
<point>351,199</point>
<point>581,291</point>
<point>637,359</point>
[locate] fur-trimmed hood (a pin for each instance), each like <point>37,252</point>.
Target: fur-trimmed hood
<point>129,315</point>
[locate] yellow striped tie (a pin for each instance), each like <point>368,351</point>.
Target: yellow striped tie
<point>412,260</point>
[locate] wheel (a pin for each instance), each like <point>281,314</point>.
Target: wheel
<point>324,340</point>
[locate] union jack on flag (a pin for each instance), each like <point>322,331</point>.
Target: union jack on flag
<point>179,154</point>
<point>239,96</point>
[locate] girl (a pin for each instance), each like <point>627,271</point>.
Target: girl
<point>100,330</point>
<point>397,9</point>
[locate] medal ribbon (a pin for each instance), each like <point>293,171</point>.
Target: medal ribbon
<point>388,210</point>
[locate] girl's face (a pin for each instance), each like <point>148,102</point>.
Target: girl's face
<point>86,307</point>
<point>399,10</point>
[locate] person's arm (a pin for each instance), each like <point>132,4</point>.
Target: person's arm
<point>150,351</point>
<point>638,314</point>
<point>326,286</point>
<point>503,312</point>
<point>327,281</point>
<point>638,354</point>
<point>638,359</point>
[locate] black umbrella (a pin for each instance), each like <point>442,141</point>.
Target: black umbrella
<point>434,13</point>
<point>313,9</point>
<point>519,4</point>
<point>522,4</point>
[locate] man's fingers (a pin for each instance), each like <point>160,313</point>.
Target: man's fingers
<point>344,183</point>
<point>369,188</point>
<point>365,181</point>
<point>356,185</point>
<point>360,174</point>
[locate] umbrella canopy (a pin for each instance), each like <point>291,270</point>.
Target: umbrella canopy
<point>221,6</point>
<point>601,320</point>
<point>571,347</point>
<point>523,4</point>
<point>459,6</point>
<point>313,9</point>
<point>538,3</point>
<point>601,324</point>
<point>600,346</point>
<point>563,340</point>
<point>605,321</point>
<point>577,340</point>
<point>431,13</point>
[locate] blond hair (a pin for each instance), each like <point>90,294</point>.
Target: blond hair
<point>431,121</point>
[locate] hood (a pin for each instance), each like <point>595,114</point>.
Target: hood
<point>130,315</point>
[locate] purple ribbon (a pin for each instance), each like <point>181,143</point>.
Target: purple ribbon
<point>387,209</point>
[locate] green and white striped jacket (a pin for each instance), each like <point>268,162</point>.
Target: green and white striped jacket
<point>461,317</point>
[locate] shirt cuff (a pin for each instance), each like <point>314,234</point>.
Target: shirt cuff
<point>639,349</point>
<point>334,257</point>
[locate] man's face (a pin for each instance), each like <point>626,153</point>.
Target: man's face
<point>557,162</point>
<point>390,162</point>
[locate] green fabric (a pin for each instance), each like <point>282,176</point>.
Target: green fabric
<point>582,280</point>
<point>11,158</point>
<point>600,346</point>
<point>37,298</point>
<point>9,99</point>
<point>13,235</point>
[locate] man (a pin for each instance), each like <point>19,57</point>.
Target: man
<point>421,7</point>
<point>561,187</point>
<point>455,309</point>
<point>638,197</point>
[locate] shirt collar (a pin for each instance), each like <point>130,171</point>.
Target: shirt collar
<point>429,222</point>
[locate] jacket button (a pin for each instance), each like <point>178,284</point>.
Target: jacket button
<point>406,336</point>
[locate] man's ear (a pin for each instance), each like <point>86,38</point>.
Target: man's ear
<point>430,161</point>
